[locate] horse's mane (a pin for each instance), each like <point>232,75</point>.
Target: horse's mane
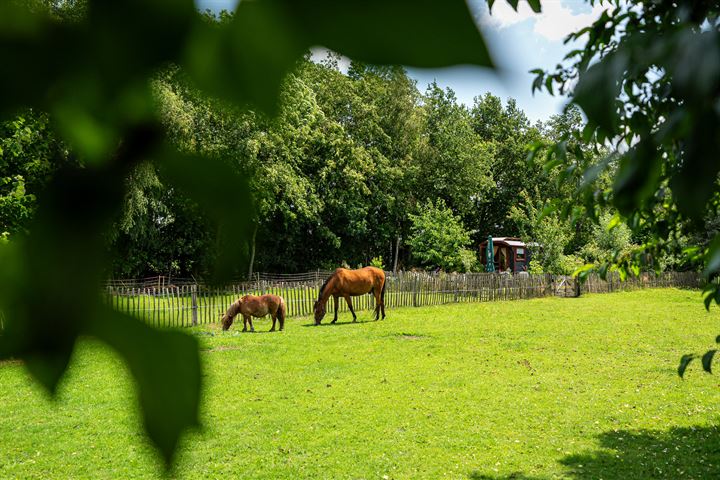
<point>322,287</point>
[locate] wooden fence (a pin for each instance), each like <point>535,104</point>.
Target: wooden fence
<point>194,304</point>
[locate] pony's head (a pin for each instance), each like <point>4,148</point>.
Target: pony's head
<point>319,309</point>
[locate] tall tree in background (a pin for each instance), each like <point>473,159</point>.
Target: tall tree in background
<point>509,131</point>
<point>453,164</point>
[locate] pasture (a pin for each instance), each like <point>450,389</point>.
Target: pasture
<point>537,389</point>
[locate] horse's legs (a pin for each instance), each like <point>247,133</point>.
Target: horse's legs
<point>335,300</point>
<point>244,324</point>
<point>274,317</point>
<point>378,303</point>
<point>349,302</point>
<point>382,301</point>
<point>248,319</point>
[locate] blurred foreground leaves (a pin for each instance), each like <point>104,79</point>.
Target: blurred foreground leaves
<point>90,69</point>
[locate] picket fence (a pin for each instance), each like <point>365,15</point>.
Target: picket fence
<point>187,303</point>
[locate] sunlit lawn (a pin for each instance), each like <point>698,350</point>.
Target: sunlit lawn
<point>549,388</point>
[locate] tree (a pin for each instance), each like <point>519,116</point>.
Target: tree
<point>438,239</point>
<point>509,131</point>
<point>30,153</point>
<point>453,163</point>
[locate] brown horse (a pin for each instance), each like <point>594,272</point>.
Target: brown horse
<point>252,306</point>
<point>352,283</point>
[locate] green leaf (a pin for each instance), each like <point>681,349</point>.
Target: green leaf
<point>166,367</point>
<point>695,182</point>
<point>535,5</point>
<point>224,194</point>
<point>537,83</point>
<point>622,270</point>
<point>684,362</point>
<point>44,316</point>
<point>246,60</point>
<point>637,178</point>
<point>614,222</point>
<point>549,85</point>
<point>707,360</point>
<point>712,257</point>
<point>583,272</point>
<point>709,296</point>
<point>598,89</point>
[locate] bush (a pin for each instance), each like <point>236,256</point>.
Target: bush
<point>439,238</point>
<point>568,264</point>
<point>535,268</point>
<point>469,260</point>
<point>377,262</point>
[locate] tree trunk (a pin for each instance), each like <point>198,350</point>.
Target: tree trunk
<point>252,253</point>
<point>397,252</point>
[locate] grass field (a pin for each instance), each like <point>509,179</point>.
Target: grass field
<point>539,389</point>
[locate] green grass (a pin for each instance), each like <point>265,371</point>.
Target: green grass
<point>547,388</point>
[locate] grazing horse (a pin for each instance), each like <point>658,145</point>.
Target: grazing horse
<point>351,283</point>
<point>252,306</point>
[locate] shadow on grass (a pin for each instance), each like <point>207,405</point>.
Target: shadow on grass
<point>676,453</point>
<point>337,324</point>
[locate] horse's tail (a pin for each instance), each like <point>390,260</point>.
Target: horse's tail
<point>382,292</point>
<point>281,313</point>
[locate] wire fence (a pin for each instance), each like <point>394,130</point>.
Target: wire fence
<point>166,303</point>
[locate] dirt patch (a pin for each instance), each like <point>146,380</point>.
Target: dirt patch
<point>223,348</point>
<point>213,327</point>
<point>11,363</point>
<point>525,363</point>
<point>410,336</point>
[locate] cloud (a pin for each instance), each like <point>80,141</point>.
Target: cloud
<point>555,22</point>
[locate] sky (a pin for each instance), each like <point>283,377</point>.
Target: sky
<point>518,42</point>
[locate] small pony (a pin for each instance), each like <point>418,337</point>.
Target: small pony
<point>253,306</point>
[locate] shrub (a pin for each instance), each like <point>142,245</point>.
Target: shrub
<point>377,262</point>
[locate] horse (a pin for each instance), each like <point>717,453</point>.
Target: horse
<point>253,306</point>
<point>351,283</point>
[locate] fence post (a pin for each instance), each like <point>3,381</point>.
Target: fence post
<point>193,292</point>
<point>415,291</point>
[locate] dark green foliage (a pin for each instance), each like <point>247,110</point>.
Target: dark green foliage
<point>89,65</point>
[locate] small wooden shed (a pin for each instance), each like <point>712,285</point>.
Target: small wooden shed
<point>509,253</point>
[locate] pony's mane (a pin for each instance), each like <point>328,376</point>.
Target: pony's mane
<point>234,309</point>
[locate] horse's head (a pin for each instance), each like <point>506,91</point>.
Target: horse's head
<point>319,309</point>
